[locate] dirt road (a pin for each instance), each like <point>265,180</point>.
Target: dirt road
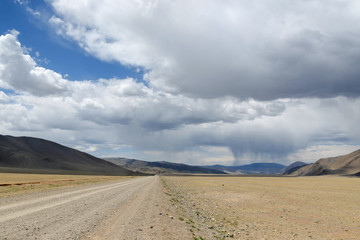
<point>131,209</point>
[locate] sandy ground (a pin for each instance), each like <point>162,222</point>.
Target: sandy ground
<point>187,208</point>
<point>129,209</point>
<point>269,208</point>
<point>21,183</point>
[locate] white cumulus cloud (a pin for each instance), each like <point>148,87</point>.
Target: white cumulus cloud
<point>224,80</point>
<point>19,71</point>
<point>245,49</point>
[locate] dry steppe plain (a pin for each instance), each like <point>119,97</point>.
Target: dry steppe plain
<point>179,207</point>
<point>325,207</point>
<point>21,183</point>
<point>41,206</point>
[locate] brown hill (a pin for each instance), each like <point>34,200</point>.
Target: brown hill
<point>344,165</point>
<point>27,154</point>
<point>292,167</point>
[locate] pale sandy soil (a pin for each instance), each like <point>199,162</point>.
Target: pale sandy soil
<point>184,208</point>
<point>268,208</point>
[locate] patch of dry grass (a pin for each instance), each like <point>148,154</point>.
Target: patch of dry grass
<point>274,207</point>
<point>20,183</point>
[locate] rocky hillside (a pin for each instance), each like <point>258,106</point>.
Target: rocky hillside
<point>343,165</point>
<point>39,155</point>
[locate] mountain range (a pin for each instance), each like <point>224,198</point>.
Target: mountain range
<point>254,168</point>
<point>161,167</point>
<point>27,154</point>
<point>164,167</point>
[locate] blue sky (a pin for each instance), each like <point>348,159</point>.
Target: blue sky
<point>55,52</point>
<point>199,82</point>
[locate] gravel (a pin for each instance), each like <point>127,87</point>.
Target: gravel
<point>119,210</point>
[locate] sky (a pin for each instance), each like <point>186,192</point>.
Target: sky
<point>197,82</point>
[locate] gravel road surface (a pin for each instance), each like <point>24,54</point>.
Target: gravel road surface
<point>131,209</point>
